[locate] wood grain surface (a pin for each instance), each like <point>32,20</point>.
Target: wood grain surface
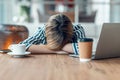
<point>57,67</point>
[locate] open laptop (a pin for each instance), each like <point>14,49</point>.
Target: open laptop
<point>109,42</point>
<point>108,45</point>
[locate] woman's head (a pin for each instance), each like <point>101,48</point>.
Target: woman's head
<point>59,31</point>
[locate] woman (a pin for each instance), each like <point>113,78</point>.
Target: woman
<point>58,35</point>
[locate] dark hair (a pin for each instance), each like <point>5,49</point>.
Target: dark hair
<point>59,31</point>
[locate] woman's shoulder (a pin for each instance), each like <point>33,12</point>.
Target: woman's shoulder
<point>77,26</point>
<point>79,31</point>
<point>41,28</point>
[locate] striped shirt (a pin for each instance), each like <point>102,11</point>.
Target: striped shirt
<point>39,37</point>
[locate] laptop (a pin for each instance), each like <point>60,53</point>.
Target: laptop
<point>109,42</point>
<point>108,45</point>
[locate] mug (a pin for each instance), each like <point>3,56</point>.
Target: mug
<point>17,48</point>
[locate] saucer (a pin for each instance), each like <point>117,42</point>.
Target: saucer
<point>18,55</point>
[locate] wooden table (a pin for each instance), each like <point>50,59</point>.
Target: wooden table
<point>57,67</point>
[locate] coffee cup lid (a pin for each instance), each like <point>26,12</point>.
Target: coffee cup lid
<point>86,40</point>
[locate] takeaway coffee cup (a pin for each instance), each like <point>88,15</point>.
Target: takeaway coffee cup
<point>85,49</point>
<point>17,48</point>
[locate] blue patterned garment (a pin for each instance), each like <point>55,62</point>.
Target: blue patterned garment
<point>39,37</point>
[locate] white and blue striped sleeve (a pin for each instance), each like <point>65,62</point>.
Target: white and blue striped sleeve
<point>36,38</point>
<point>78,33</point>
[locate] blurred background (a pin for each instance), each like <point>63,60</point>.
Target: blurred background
<point>91,14</point>
<point>38,11</point>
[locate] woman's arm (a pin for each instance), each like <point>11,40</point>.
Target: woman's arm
<point>38,37</point>
<point>68,48</point>
<point>43,49</point>
<point>40,49</point>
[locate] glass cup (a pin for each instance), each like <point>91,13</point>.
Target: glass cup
<point>85,49</point>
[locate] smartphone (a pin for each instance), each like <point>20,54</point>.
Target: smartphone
<point>5,50</point>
